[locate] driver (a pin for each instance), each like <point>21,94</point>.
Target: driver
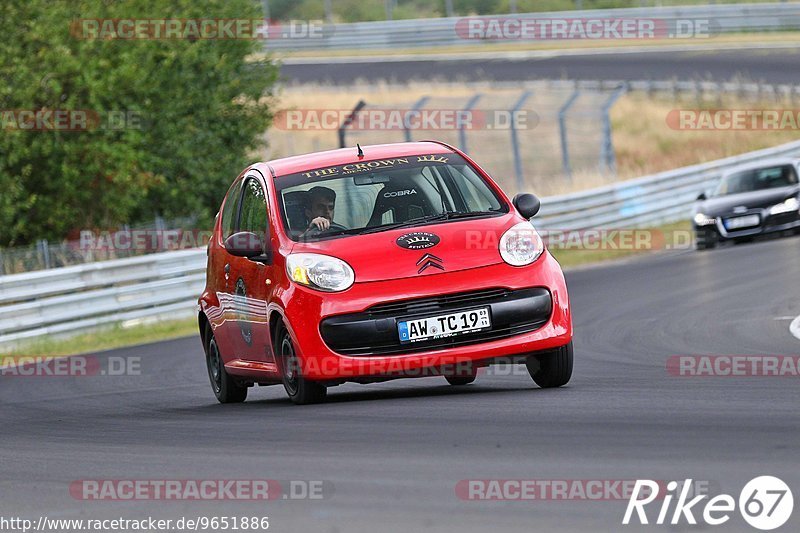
<point>319,209</point>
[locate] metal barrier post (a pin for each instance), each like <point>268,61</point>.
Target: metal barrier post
<point>609,158</point>
<point>349,120</point>
<point>44,250</point>
<point>515,140</point>
<point>562,130</point>
<point>406,128</point>
<point>462,133</point>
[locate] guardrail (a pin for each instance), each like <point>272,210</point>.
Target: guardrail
<point>72,299</point>
<point>166,285</point>
<point>657,199</point>
<point>417,33</point>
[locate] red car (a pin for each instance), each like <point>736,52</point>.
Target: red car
<point>362,265</point>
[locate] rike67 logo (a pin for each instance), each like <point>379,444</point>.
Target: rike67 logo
<point>765,503</point>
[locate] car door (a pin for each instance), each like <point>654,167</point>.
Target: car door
<point>252,279</point>
<point>223,319</point>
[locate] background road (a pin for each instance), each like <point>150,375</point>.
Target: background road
<point>395,451</point>
<point>767,65</point>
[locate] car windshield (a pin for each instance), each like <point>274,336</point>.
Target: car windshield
<point>757,179</point>
<point>377,195</point>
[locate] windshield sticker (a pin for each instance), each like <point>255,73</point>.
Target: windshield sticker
<point>358,168</point>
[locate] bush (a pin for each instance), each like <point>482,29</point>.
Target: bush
<point>194,111</point>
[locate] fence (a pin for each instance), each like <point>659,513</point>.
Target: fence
<point>552,129</point>
<point>100,246</point>
<point>424,33</point>
<point>510,133</point>
<point>84,297</point>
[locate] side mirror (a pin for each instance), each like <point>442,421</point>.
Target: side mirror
<point>527,204</point>
<point>248,244</point>
<point>701,197</point>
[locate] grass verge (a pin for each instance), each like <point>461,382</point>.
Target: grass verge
<point>666,237</point>
<point>105,339</point>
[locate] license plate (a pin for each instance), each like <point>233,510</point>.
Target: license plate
<point>435,327</point>
<point>742,222</point>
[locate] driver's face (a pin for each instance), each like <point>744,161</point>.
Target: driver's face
<point>321,207</point>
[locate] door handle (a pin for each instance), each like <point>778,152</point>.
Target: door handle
<point>228,268</point>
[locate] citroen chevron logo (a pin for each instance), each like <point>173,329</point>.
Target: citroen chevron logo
<point>429,260</point>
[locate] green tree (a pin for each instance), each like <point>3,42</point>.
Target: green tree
<point>194,109</point>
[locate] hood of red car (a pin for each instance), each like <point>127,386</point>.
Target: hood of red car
<point>429,250</point>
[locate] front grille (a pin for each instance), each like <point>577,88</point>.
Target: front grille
<point>436,303</point>
<point>374,331</point>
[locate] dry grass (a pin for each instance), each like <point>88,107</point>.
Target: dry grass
<point>645,144</point>
<point>643,141</point>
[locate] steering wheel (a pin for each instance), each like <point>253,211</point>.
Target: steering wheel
<point>315,231</point>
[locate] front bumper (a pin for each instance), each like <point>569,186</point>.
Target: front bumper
<point>529,307</point>
<point>768,224</point>
<point>374,332</point>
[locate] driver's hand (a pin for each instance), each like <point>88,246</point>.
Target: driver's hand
<point>321,223</point>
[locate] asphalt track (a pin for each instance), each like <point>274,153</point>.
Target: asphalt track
<point>766,65</point>
<point>393,452</point>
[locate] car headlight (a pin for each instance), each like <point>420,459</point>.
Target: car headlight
<point>702,220</point>
<point>792,204</point>
<point>319,271</point>
<point>521,245</point>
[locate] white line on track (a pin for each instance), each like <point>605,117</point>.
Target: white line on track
<point>794,327</point>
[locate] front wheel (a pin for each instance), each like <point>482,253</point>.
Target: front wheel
<point>300,390</point>
<point>553,368</point>
<point>226,389</point>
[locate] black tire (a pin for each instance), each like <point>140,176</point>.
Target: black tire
<point>705,245</point>
<point>459,380</point>
<point>226,389</point>
<point>462,376</point>
<point>551,369</point>
<point>300,390</point>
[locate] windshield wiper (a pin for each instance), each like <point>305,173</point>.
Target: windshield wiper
<point>468,214</point>
<point>448,215</point>
<point>406,223</point>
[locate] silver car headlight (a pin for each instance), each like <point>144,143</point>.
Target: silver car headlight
<point>321,272</point>
<point>702,220</point>
<point>791,204</point>
<point>521,245</point>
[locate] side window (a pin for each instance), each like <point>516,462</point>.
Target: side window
<point>230,210</point>
<point>254,208</point>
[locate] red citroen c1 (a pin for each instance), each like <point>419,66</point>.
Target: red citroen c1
<point>362,265</point>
